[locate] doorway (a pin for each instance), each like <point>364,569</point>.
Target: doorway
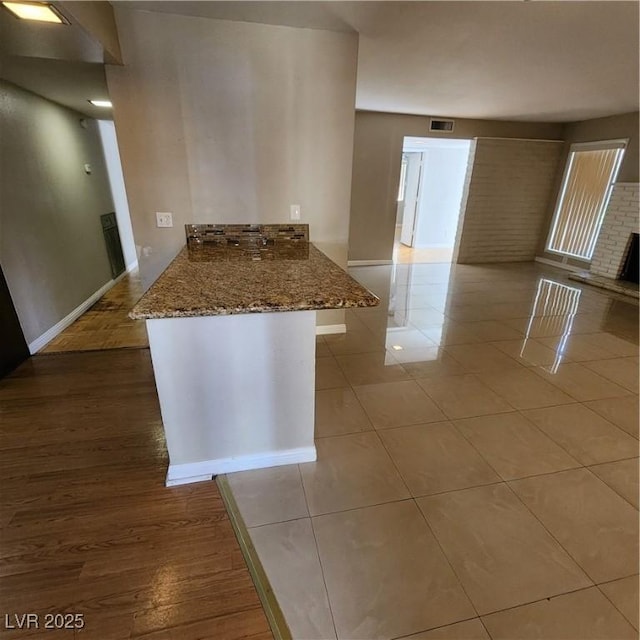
<point>429,195</point>
<point>106,324</point>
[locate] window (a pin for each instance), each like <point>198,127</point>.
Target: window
<point>586,187</point>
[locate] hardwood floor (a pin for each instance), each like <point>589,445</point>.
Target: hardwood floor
<point>86,523</point>
<point>106,325</point>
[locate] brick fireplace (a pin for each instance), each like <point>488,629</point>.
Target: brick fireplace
<point>620,222</point>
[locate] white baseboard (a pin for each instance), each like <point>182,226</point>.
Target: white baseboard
<point>57,328</point>
<point>368,263</point>
<point>205,470</point>
<point>118,278</point>
<point>561,265</point>
<point>328,329</point>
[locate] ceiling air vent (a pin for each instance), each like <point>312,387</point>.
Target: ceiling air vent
<point>445,126</point>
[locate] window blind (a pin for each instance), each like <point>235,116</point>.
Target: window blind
<point>583,198</point>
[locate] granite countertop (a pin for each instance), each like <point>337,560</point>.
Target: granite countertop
<point>212,281</point>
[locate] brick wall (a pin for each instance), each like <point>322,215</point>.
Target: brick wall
<point>620,221</point>
<point>506,199</point>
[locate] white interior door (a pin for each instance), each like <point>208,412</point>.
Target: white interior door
<point>444,169</point>
<point>411,198</point>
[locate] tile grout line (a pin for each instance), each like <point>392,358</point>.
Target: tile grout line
<point>612,602</point>
<point>595,475</point>
<point>605,376</point>
<point>315,540</point>
<point>507,484</point>
<point>557,595</point>
<point>442,626</point>
<point>424,518</point>
<point>538,372</point>
<point>600,464</point>
<point>592,464</point>
<point>533,475</point>
<point>364,411</point>
<point>538,429</point>
<point>550,438</point>
<point>542,524</point>
<point>395,466</point>
<point>501,480</point>
<point>606,418</point>
<point>450,420</point>
<point>583,404</point>
<point>270,524</point>
<point>273,612</point>
<point>446,557</point>
<point>366,506</point>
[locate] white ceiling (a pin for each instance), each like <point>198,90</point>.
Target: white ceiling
<point>60,62</point>
<point>552,61</point>
<point>70,83</point>
<point>543,61</point>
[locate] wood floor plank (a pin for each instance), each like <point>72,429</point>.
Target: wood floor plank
<point>246,625</point>
<point>50,577</point>
<point>86,523</point>
<point>106,325</point>
<point>41,634</point>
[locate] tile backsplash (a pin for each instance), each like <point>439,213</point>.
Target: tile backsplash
<point>197,233</point>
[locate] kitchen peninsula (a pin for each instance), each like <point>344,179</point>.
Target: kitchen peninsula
<point>231,326</point>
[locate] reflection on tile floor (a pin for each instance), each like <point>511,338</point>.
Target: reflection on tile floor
<point>477,472</point>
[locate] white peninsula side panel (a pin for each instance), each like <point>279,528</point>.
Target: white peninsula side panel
<point>236,392</point>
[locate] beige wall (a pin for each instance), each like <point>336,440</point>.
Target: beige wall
<point>96,18</point>
<point>52,247</point>
<point>506,198</point>
<point>222,121</point>
<point>623,126</point>
<point>376,170</point>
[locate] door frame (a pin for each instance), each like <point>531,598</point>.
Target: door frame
<point>408,231</point>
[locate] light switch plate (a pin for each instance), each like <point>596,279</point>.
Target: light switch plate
<point>294,212</point>
<point>164,219</point>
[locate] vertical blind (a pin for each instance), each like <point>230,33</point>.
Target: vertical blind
<point>583,198</point>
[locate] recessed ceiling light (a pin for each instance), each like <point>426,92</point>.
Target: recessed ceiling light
<point>39,11</point>
<point>396,347</point>
<point>101,103</point>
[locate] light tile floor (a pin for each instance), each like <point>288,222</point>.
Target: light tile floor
<point>477,472</point>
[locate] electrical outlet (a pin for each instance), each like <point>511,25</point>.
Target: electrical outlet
<point>294,212</point>
<point>164,219</point>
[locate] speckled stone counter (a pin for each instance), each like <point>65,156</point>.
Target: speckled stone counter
<point>231,325</point>
<point>211,281</point>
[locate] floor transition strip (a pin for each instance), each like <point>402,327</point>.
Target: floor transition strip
<point>272,610</point>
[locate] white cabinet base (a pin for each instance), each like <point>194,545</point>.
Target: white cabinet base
<point>236,392</point>
<point>200,471</point>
